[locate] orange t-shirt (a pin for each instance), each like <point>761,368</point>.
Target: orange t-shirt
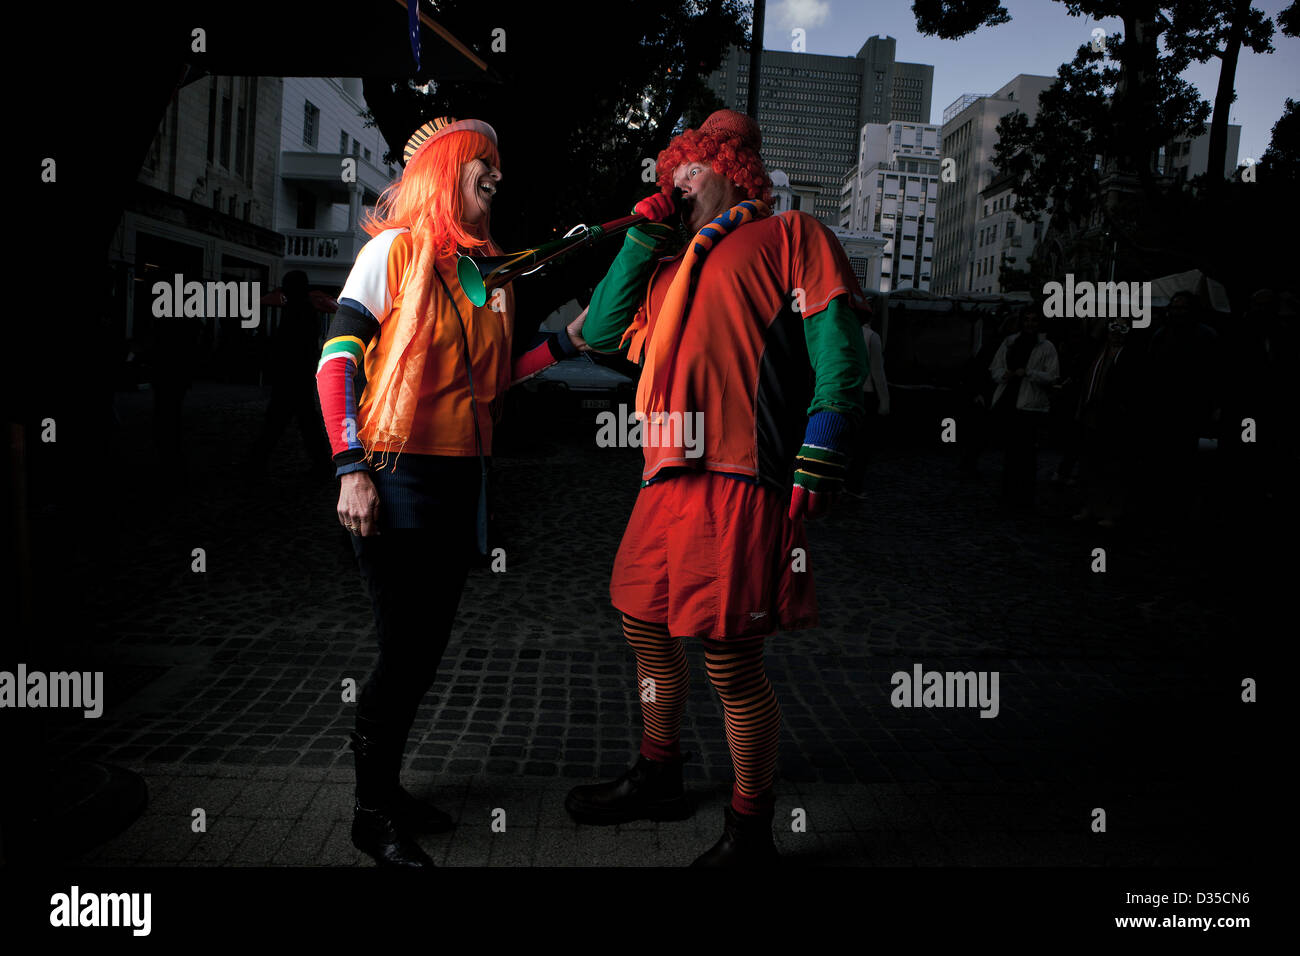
<point>443,422</point>
<point>742,365</point>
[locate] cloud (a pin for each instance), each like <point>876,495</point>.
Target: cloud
<point>801,13</point>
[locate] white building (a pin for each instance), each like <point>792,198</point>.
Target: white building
<point>1186,158</point>
<point>319,202</point>
<point>245,181</point>
<point>892,194</point>
<point>1002,236</point>
<point>968,137</point>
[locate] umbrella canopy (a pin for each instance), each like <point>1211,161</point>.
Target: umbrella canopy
<point>1212,294</point>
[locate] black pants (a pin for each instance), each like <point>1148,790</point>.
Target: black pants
<point>415,577</point>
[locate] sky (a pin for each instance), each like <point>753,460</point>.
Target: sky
<point>1040,37</point>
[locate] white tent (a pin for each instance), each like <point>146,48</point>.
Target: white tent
<point>1212,294</point>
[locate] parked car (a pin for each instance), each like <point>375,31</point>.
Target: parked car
<point>591,384</point>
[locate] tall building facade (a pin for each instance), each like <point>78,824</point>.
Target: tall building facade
<point>968,136</point>
<point>892,193</point>
<point>811,108</point>
<point>1002,237</point>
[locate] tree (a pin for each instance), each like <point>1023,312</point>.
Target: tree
<point>1189,29</point>
<point>1281,161</point>
<point>1205,28</point>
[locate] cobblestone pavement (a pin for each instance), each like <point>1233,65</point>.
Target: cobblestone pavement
<point>1118,690</point>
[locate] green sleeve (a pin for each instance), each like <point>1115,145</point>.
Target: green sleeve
<point>619,294</point>
<point>839,359</point>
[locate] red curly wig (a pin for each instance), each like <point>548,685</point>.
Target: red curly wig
<point>727,156</point>
<point>430,189</point>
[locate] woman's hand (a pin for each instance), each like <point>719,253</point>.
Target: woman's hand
<point>359,504</point>
<point>575,332</point>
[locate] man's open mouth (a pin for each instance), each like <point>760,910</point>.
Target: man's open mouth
<point>488,188</point>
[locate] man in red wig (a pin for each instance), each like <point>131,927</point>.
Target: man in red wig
<point>751,388</point>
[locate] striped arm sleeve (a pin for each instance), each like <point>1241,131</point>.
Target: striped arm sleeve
<point>345,348</point>
<point>823,459</point>
<point>555,347</point>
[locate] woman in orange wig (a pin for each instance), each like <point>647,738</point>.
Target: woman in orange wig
<point>412,452</point>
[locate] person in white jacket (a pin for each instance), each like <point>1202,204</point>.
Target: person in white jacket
<point>876,395</point>
<point>1024,368</point>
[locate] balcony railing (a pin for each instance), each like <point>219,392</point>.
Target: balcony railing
<point>309,245</point>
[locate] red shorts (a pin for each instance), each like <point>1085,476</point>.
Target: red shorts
<point>713,557</point>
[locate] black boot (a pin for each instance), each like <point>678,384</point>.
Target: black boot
<point>374,829</point>
<point>746,841</point>
<point>649,790</point>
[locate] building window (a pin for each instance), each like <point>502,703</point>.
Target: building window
<point>241,139</point>
<point>306,209</point>
<point>310,120</point>
<point>343,141</point>
<point>248,209</point>
<point>225,130</point>
<point>212,120</point>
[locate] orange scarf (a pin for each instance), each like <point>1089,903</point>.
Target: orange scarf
<point>661,356</point>
<point>396,386</point>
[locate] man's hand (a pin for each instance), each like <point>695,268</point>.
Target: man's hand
<point>574,329</point>
<point>821,466</point>
<point>805,503</point>
<point>358,507</point>
<point>656,208</point>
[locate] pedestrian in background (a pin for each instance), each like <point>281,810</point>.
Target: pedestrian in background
<point>1105,413</point>
<point>1024,368</point>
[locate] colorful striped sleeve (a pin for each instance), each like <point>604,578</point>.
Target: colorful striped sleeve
<point>365,301</point>
<point>343,354</point>
<point>553,347</point>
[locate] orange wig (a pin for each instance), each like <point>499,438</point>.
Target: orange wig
<point>728,156</point>
<point>429,193</point>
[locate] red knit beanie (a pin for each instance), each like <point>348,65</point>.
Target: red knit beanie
<point>725,124</point>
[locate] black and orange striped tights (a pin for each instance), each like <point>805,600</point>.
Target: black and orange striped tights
<point>749,705</point>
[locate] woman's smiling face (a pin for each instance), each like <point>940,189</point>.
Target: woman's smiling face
<point>478,186</point>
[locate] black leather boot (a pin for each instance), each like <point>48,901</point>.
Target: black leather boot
<point>746,841</point>
<point>375,831</point>
<point>649,790</point>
